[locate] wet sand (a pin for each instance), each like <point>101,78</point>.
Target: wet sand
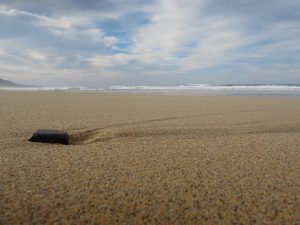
<point>149,159</point>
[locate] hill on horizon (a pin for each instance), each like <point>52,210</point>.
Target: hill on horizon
<point>8,83</point>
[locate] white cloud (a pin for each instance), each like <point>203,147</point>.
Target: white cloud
<point>68,27</point>
<point>213,50</point>
<point>36,55</point>
<point>179,35</point>
<point>172,27</point>
<point>111,60</point>
<point>50,76</point>
<point>8,58</point>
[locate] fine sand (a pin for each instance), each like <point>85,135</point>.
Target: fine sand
<point>149,159</point>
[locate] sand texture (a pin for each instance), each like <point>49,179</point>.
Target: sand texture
<point>149,159</point>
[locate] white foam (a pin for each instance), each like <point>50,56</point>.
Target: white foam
<point>188,87</point>
<point>213,87</point>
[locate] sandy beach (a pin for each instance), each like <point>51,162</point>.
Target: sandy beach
<point>149,159</point>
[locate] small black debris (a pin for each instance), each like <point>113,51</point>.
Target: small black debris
<point>50,136</point>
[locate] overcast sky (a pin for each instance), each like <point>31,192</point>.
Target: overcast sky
<point>149,42</point>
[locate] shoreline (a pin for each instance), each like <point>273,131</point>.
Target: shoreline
<point>258,94</point>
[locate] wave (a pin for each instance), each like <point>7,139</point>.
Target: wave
<point>187,87</point>
<point>52,89</point>
<point>207,87</point>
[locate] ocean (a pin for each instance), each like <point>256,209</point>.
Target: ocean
<point>284,90</point>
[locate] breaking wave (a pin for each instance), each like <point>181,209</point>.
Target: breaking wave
<point>213,87</point>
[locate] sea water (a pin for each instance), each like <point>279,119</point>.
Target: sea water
<point>284,90</point>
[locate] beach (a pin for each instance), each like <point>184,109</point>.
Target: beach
<point>149,159</point>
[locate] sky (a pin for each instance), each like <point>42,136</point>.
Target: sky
<point>149,42</point>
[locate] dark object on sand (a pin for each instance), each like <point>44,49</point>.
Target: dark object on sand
<point>50,136</point>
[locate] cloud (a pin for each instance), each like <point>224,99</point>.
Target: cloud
<point>105,39</point>
<point>69,27</point>
<point>111,60</point>
<point>255,11</point>
<point>50,76</point>
<point>179,35</point>
<point>56,41</point>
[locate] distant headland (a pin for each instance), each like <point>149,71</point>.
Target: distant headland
<point>9,84</point>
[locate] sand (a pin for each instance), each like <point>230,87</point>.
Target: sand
<point>149,159</point>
